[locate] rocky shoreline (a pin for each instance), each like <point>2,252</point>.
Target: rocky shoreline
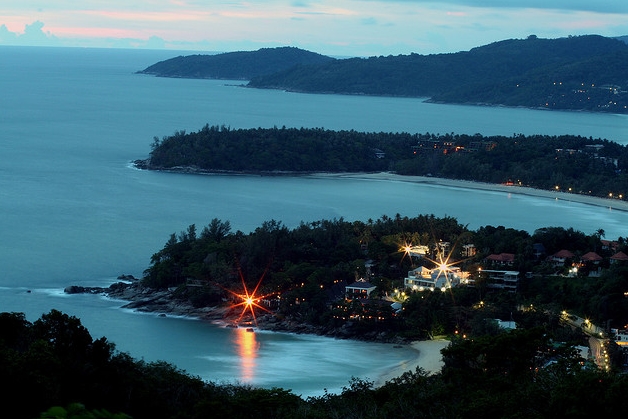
<point>164,303</point>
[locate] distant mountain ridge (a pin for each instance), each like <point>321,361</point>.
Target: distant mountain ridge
<point>576,73</point>
<point>241,65</point>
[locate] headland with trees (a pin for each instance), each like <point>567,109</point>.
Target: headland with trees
<point>566,163</point>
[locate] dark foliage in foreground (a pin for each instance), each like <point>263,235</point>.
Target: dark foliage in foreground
<point>53,368</point>
<point>573,163</point>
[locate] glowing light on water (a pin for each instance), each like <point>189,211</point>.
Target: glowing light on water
<point>247,348</point>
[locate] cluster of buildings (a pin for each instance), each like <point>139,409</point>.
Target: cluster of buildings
<point>448,146</point>
<point>501,274</point>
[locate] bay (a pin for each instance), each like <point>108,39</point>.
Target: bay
<point>74,211</point>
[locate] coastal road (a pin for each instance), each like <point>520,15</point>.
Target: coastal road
<point>597,338</point>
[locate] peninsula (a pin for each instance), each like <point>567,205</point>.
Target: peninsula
<point>574,73</point>
<point>568,163</point>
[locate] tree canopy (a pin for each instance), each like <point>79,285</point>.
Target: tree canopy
<point>578,73</point>
<point>241,65</point>
<point>309,266</point>
<point>566,163</point>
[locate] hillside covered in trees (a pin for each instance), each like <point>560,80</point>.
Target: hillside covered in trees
<point>568,163</point>
<point>241,65</point>
<point>577,73</point>
<point>309,266</point>
<point>574,73</point>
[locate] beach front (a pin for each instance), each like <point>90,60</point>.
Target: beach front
<point>428,357</point>
<point>616,204</point>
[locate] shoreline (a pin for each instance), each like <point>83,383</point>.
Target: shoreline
<point>611,203</point>
<point>428,358</point>
<point>133,296</point>
<point>138,299</point>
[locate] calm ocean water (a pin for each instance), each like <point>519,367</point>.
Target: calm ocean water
<point>73,211</point>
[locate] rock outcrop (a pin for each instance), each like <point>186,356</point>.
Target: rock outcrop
<point>167,303</point>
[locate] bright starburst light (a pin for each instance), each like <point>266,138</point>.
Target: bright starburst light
<point>443,263</point>
<point>248,301</point>
<point>408,249</point>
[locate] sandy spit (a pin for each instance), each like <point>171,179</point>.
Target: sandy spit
<point>428,357</point>
<point>615,204</point>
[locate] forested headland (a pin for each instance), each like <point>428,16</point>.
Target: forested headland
<point>56,369</point>
<point>304,271</point>
<point>574,73</point>
<point>240,65</point>
<point>564,163</point>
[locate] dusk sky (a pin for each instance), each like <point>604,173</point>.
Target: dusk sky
<point>332,27</point>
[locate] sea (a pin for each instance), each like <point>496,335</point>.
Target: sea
<point>74,210</point>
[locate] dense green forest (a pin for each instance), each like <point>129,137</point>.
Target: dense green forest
<point>241,65</point>
<point>309,266</point>
<point>576,73</point>
<point>54,368</point>
<point>572,163</point>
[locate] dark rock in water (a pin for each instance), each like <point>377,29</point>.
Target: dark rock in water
<point>118,286</point>
<point>75,289</point>
<point>141,164</point>
<point>113,288</point>
<point>127,277</point>
<point>166,303</point>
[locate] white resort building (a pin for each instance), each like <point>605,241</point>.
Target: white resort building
<point>422,278</point>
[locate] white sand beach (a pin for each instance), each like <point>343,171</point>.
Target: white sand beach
<point>428,357</point>
<point>616,204</point>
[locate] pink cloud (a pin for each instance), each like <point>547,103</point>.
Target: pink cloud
<point>584,24</point>
<point>94,32</point>
<point>148,16</point>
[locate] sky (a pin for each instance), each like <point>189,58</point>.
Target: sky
<point>330,27</point>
